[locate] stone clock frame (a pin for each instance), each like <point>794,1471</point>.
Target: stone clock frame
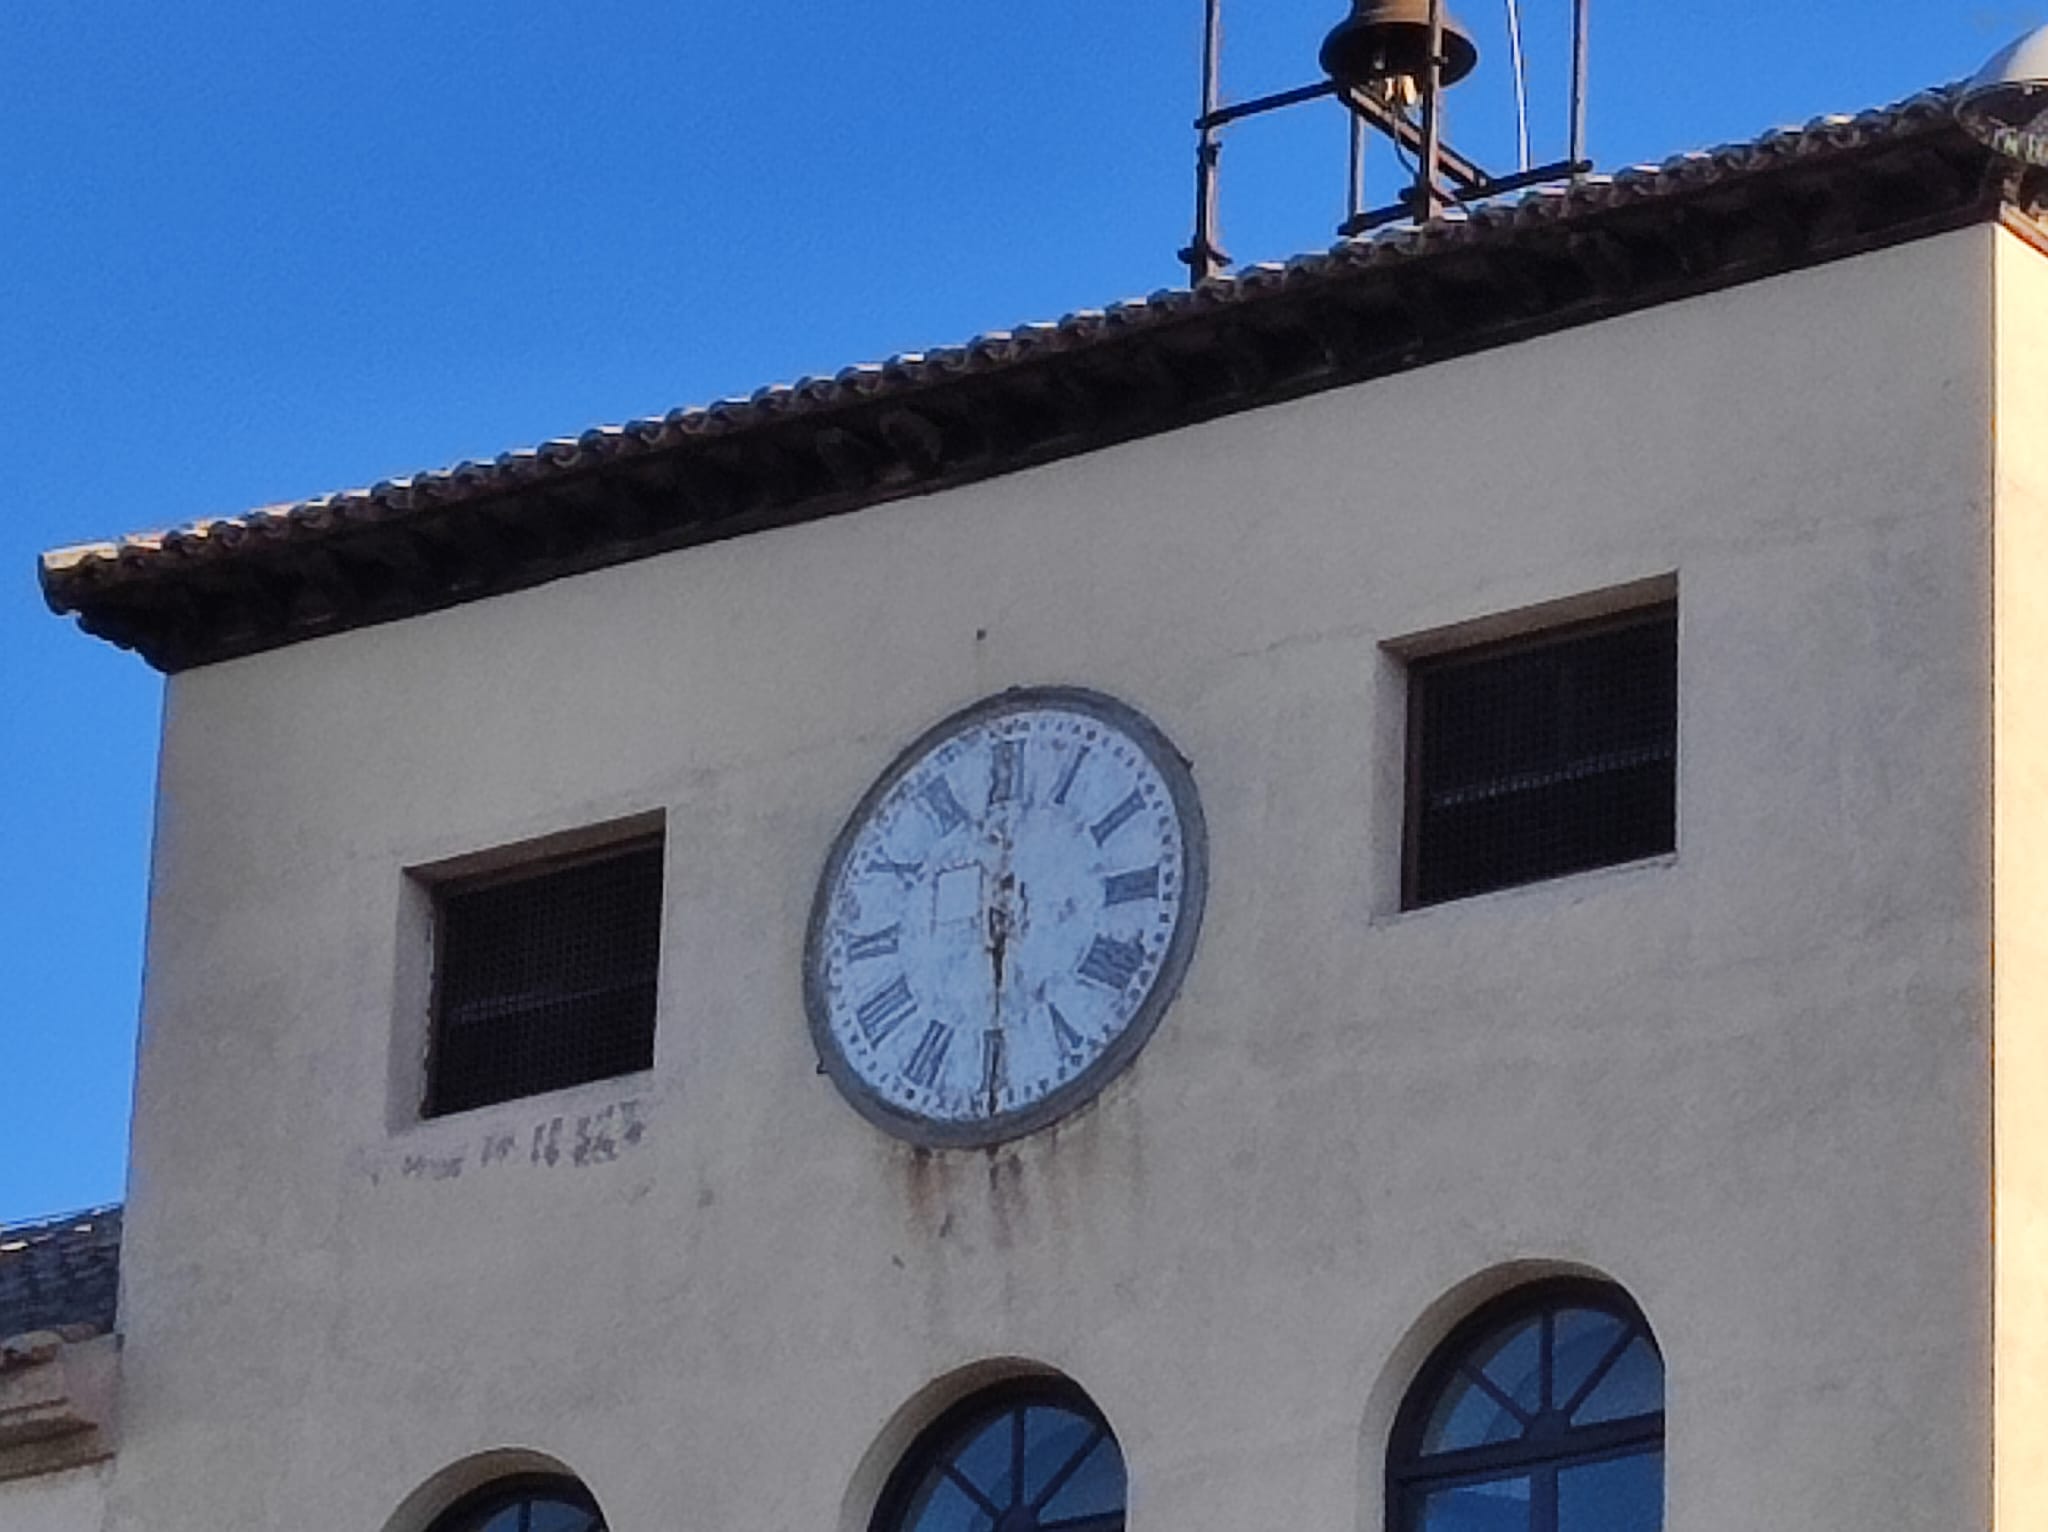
<point>1174,770</point>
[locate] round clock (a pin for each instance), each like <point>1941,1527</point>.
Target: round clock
<point>1005,916</point>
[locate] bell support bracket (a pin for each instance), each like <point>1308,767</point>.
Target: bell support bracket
<point>1386,57</point>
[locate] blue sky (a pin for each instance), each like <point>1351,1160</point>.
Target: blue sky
<point>251,253</point>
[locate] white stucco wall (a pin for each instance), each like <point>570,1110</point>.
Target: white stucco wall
<point>1749,1081</point>
<point>72,1501</point>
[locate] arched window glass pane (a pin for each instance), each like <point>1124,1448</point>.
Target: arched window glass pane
<point>1024,1458</point>
<point>524,1505</point>
<point>945,1507</point>
<point>1620,1495</point>
<point>1584,1337</point>
<point>1051,1439</point>
<point>1634,1385</point>
<point>1500,1506</point>
<point>1543,1412</point>
<point>553,1516</point>
<point>1468,1416</point>
<point>1095,1488</point>
<point>1513,1363</point>
<point>985,1461</point>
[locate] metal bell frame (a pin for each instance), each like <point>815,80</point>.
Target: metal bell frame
<point>1436,161</point>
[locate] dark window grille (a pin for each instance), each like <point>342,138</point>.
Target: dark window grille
<point>1541,756</point>
<point>544,978</point>
<point>1543,1412</point>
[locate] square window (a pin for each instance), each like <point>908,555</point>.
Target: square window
<point>544,976</point>
<point>1542,755</point>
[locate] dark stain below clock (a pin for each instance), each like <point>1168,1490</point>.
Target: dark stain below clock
<point>938,1192</point>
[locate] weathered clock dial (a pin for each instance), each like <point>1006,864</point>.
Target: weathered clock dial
<point>1005,916</point>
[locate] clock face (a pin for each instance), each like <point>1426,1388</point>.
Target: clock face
<point>1005,916</point>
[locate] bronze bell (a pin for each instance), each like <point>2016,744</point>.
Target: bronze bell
<point>1383,41</point>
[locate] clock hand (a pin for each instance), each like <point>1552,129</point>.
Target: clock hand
<point>999,941</point>
<point>1001,923</point>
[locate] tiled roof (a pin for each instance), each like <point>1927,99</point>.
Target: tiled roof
<point>1473,278</point>
<point>60,1274</point>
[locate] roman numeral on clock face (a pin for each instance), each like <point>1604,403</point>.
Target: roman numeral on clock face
<point>874,944</point>
<point>994,1066</point>
<point>1111,963</point>
<point>1005,766</point>
<point>1065,784</point>
<point>1129,887</point>
<point>930,1056</point>
<point>1069,1039</point>
<point>907,871</point>
<point>937,798</point>
<point>885,1010</point>
<point>1117,817</point>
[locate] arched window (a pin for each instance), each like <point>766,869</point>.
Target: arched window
<point>1032,1456</point>
<point>1543,1412</point>
<point>535,1503</point>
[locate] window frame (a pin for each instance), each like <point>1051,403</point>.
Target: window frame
<point>1417,668</point>
<point>470,1512</point>
<point>1411,1475</point>
<point>511,866</point>
<point>940,1443</point>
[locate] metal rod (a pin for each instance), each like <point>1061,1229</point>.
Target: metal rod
<point>1427,203</point>
<point>1379,115</point>
<point>1359,223</point>
<point>1203,256</point>
<point>1581,55</point>
<point>1354,188</point>
<point>1223,116</point>
<point>1520,65</point>
<point>1557,170</point>
<point>1379,217</point>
